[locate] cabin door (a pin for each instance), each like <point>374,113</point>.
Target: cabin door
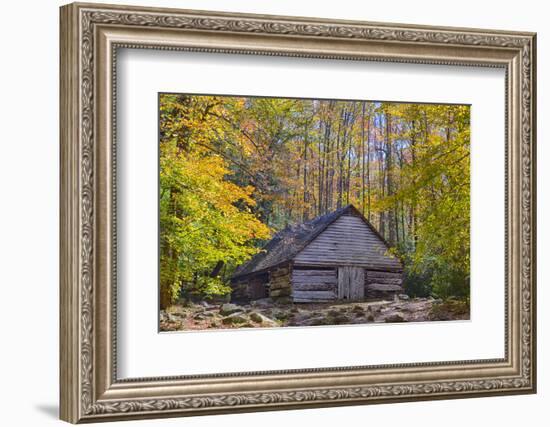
<point>351,283</point>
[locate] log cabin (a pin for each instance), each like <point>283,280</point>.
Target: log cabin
<point>337,256</point>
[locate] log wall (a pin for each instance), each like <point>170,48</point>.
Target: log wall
<point>382,284</point>
<point>251,288</point>
<point>314,285</point>
<point>279,283</point>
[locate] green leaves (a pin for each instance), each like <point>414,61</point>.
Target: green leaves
<point>437,184</point>
<point>231,168</point>
<point>204,217</point>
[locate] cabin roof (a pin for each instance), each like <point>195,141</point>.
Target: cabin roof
<point>287,243</point>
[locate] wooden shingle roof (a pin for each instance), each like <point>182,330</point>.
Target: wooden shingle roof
<point>287,243</point>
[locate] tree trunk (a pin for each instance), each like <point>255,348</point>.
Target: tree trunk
<point>389,180</point>
<point>339,158</point>
<point>363,159</point>
<point>368,170</point>
<point>305,213</point>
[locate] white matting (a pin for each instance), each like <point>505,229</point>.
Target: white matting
<point>143,352</point>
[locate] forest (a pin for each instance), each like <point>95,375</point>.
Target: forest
<point>235,170</point>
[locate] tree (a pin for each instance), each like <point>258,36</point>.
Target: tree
<point>243,166</point>
<point>205,219</point>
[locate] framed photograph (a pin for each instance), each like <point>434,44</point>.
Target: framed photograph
<point>266,212</point>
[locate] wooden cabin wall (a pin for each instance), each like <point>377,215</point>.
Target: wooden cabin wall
<point>383,284</point>
<point>257,288</point>
<point>314,285</point>
<point>279,283</point>
<point>348,241</point>
<point>250,288</point>
<point>239,292</point>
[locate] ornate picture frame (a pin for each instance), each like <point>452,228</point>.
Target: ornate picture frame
<point>90,37</point>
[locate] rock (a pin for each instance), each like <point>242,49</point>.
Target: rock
<point>235,319</point>
<point>229,308</point>
<point>262,319</point>
<point>280,314</point>
<point>341,319</point>
<point>283,301</point>
<point>358,309</point>
<point>172,318</point>
<point>262,302</point>
<point>374,308</point>
<point>256,317</point>
<point>163,316</point>
<point>210,307</point>
<point>370,318</point>
<point>317,321</point>
<point>403,297</point>
<point>203,315</point>
<point>394,318</point>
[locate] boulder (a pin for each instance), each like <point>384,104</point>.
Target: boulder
<point>341,319</point>
<point>203,315</point>
<point>394,318</point>
<point>280,314</point>
<point>172,317</point>
<point>317,321</point>
<point>263,320</point>
<point>403,297</point>
<point>228,308</point>
<point>235,319</point>
<point>262,302</point>
<point>358,309</point>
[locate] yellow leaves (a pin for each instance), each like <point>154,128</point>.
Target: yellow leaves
<point>206,218</point>
<point>225,160</point>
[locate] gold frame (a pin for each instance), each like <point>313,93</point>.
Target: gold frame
<point>90,36</point>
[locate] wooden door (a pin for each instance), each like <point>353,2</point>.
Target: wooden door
<point>351,283</point>
<point>357,283</point>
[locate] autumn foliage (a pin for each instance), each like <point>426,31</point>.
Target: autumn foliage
<point>233,170</point>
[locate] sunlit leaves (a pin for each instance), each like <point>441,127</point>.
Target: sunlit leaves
<point>232,167</point>
<point>205,219</point>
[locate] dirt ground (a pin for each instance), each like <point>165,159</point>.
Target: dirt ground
<point>267,314</point>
